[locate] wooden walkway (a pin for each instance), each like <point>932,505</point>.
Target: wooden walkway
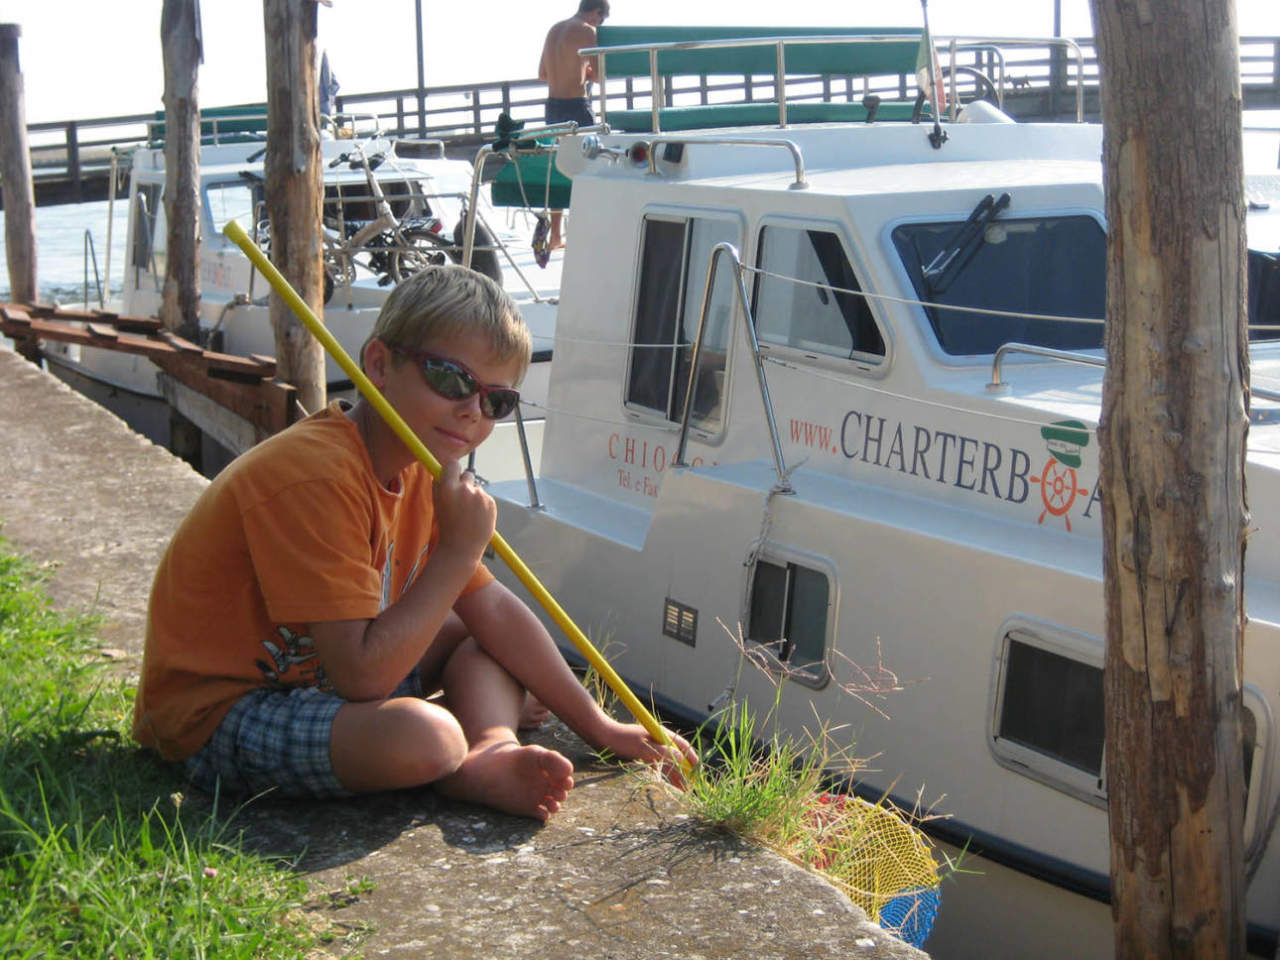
<point>245,388</point>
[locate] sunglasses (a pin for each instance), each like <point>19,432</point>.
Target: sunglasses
<point>453,381</point>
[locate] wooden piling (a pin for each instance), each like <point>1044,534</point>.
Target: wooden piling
<point>15,182</point>
<point>180,39</point>
<point>295,188</point>
<point>180,306</point>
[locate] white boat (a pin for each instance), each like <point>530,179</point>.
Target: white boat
<point>425,191</point>
<point>885,481</point>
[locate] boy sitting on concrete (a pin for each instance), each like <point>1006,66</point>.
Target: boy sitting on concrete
<point>323,585</point>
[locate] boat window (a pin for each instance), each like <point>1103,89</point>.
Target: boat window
<point>788,616</point>
<point>806,297</point>
<point>227,202</point>
<point>674,255</point>
<point>1053,704</point>
<point>1051,266</point>
<point>150,233</point>
<point>1264,296</point>
<point>1050,716</point>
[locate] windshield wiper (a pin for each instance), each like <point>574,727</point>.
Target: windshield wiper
<point>963,244</point>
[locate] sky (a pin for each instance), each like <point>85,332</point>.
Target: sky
<point>83,60</point>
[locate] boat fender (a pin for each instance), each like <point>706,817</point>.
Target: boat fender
<point>484,259</point>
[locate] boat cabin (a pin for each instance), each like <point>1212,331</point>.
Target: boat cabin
<point>825,398</point>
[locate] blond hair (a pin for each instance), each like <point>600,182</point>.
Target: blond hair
<point>443,303</point>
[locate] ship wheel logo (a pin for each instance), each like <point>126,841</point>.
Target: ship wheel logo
<point>1059,485</point>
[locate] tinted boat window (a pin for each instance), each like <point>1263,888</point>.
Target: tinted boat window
<point>1048,265</point>
<point>673,278</point>
<point>656,310</point>
<point>1264,296</point>
<point>1053,704</point>
<point>150,234</point>
<point>813,315</point>
<point>788,615</point>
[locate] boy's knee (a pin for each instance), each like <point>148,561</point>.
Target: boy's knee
<point>467,656</point>
<point>425,740</point>
<point>444,743</point>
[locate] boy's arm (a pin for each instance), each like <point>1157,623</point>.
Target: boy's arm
<point>508,631</point>
<point>591,65</point>
<point>365,659</point>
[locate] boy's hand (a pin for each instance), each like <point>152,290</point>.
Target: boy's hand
<point>466,513</point>
<point>630,741</point>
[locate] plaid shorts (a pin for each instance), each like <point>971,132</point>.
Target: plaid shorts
<point>276,740</point>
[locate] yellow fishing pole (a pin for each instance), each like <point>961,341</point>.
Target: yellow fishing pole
<point>237,235</point>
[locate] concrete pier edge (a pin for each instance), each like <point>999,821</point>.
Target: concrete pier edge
<point>622,872</point>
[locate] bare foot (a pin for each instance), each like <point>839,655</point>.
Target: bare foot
<point>528,781</point>
<point>556,245</point>
<point>533,713</point>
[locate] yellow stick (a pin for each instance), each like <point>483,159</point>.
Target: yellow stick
<point>236,234</point>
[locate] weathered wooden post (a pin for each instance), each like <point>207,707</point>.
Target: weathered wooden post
<point>15,181</point>
<point>180,37</point>
<point>1172,435</point>
<point>295,188</point>
<point>180,304</point>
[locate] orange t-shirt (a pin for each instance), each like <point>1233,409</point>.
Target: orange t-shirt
<point>296,531</point>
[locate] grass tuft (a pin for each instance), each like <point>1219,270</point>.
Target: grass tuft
<point>776,790</point>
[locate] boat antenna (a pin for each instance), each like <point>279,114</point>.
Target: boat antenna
<point>927,76</point>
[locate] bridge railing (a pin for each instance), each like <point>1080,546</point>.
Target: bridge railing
<point>1038,83</point>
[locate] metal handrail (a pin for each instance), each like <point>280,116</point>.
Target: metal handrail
<point>997,385</point>
<point>995,52</point>
<point>90,252</point>
<point>800,182</point>
<point>726,249</point>
<point>955,43</point>
<point>534,503</point>
<point>486,151</point>
<point>1069,356</point>
<point>779,79</point>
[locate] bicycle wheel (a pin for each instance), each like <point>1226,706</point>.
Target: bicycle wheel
<point>420,248</point>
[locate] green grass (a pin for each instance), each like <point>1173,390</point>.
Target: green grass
<point>99,857</point>
<point>774,789</point>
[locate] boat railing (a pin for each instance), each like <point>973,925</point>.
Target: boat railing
<point>996,49</point>
<point>779,43</point>
<point>91,255</point>
<point>526,135</point>
<point>800,183</point>
<point>721,251</point>
<point>998,385</point>
<point>345,126</point>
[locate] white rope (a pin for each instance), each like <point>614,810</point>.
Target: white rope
<point>887,298</point>
<point>907,301</point>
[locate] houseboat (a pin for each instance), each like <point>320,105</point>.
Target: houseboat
<point>390,206</point>
<point>826,396</point>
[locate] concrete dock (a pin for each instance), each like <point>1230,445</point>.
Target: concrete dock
<point>622,872</point>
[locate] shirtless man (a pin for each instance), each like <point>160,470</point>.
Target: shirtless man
<point>567,75</point>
